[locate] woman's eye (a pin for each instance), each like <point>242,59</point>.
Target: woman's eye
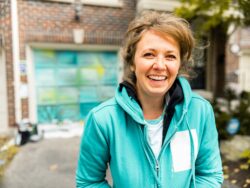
<point>148,55</point>
<point>171,57</point>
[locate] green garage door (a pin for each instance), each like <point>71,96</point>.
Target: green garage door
<point>70,83</point>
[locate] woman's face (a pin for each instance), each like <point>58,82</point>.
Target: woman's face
<point>156,64</point>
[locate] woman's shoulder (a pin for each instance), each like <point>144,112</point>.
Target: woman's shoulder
<point>106,116</point>
<point>105,106</point>
<point>199,101</point>
<point>106,110</point>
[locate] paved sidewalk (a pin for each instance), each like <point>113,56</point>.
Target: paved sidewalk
<point>227,184</point>
<point>49,163</point>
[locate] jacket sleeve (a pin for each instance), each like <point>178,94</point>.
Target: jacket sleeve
<point>208,166</point>
<point>93,156</point>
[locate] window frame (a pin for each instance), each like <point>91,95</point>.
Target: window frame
<point>106,3</point>
<point>161,5</point>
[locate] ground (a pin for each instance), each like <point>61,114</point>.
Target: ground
<point>237,173</point>
<point>6,155</point>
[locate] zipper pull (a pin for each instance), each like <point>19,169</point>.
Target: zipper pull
<point>157,168</point>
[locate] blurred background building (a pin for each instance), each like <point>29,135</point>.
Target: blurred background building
<point>238,59</point>
<point>59,58</point>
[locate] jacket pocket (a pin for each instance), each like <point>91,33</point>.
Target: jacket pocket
<point>181,150</point>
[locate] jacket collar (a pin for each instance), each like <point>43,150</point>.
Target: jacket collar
<point>175,93</point>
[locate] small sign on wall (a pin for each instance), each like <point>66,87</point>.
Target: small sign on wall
<point>23,67</point>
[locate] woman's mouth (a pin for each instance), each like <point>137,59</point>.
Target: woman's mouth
<point>157,77</point>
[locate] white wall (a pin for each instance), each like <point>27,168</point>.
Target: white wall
<point>3,95</point>
<point>244,71</point>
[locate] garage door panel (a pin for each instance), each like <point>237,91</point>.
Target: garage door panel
<point>81,79</point>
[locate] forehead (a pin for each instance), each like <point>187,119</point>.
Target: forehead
<point>158,40</point>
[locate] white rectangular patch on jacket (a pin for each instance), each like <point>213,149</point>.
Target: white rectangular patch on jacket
<point>181,150</point>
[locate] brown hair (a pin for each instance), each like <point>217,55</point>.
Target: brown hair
<point>167,23</point>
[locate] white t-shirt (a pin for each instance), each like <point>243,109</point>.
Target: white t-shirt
<point>154,129</point>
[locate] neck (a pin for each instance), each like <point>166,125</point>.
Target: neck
<point>152,106</point>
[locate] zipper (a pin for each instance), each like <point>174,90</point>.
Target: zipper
<point>150,149</point>
<point>157,165</point>
<point>147,148</point>
<point>157,168</point>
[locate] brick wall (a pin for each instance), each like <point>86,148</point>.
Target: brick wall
<point>5,31</point>
<point>245,38</point>
<point>44,21</point>
<point>53,22</point>
<point>240,37</point>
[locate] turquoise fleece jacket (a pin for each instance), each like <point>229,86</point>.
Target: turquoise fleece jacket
<point>116,134</point>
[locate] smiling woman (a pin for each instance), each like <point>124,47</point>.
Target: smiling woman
<point>156,65</point>
<point>155,132</point>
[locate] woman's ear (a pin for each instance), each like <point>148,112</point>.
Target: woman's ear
<point>132,68</point>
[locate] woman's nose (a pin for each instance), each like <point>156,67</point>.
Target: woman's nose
<point>159,63</point>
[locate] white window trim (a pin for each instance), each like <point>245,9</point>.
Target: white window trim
<point>243,72</point>
<point>161,5</point>
<point>106,3</point>
<point>16,59</point>
<point>109,3</point>
<point>3,97</point>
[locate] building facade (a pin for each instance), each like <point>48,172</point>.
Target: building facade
<point>238,59</point>
<point>62,58</point>
<point>76,45</point>
<point>59,58</point>
<point>7,107</point>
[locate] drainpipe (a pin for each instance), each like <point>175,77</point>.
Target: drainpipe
<point>16,58</point>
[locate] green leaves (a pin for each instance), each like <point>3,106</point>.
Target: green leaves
<point>208,14</point>
<point>245,7</point>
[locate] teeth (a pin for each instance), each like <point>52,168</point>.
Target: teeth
<point>157,78</point>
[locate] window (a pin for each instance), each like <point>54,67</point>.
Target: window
<point>163,5</point>
<point>111,3</point>
<point>106,3</point>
